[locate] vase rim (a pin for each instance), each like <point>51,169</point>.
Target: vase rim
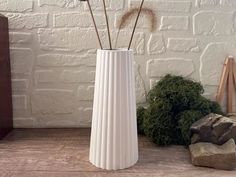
<point>116,50</point>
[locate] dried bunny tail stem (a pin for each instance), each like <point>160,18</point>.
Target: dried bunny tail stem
<point>94,23</point>
<point>126,18</point>
<point>124,21</point>
<point>108,30</point>
<point>135,24</point>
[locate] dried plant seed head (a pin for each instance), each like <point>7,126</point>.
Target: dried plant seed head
<point>126,18</point>
<point>151,15</point>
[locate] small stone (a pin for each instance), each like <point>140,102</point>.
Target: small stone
<point>214,156</point>
<point>214,128</point>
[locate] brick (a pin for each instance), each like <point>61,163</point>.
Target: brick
<point>165,6</point>
<point>85,93</point>
<point>19,84</point>
<point>52,101</point>
<point>183,45</point>
<point>138,43</point>
<point>16,6</point>
<point>23,122</point>
<point>210,23</point>
<point>153,82</point>
<point>77,20</point>
<point>174,23</point>
<point>19,102</point>
<point>59,60</point>
<point>79,40</point>
<point>203,3</point>
<point>156,44</point>
<point>143,22</point>
<point>59,3</point>
<point>20,38</point>
<point>176,66</point>
<point>85,117</point>
<point>74,39</point>
<point>228,2</point>
<point>56,120</point>
<point>96,5</point>
<point>82,75</point>
<point>27,21</point>
<point>21,60</point>
<point>45,76</point>
<point>212,60</point>
<point>140,88</point>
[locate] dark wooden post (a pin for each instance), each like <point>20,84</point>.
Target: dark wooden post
<point>6,120</point>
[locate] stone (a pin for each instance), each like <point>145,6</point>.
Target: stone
<point>177,66</point>
<point>213,128</point>
<point>214,156</point>
<point>174,23</point>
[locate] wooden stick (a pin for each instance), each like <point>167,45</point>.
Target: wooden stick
<point>135,24</point>
<point>230,87</point>
<point>94,23</point>
<point>224,77</point>
<point>108,30</point>
<point>234,72</point>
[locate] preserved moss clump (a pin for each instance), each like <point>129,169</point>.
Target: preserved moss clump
<point>174,104</point>
<point>140,115</point>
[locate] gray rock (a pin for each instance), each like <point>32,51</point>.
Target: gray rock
<point>214,156</point>
<point>214,128</point>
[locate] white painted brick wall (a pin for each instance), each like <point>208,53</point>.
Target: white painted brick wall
<point>53,47</point>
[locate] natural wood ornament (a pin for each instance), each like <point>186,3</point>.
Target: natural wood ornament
<point>228,78</point>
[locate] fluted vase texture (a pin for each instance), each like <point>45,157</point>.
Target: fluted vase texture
<point>114,143</point>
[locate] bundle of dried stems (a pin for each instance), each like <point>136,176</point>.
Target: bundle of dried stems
<point>125,20</point>
<point>94,23</point>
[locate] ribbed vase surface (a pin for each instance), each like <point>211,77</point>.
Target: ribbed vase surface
<point>114,143</point>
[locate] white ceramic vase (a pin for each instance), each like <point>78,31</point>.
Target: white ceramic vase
<point>114,143</point>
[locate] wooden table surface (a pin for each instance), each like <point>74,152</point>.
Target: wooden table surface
<point>64,153</point>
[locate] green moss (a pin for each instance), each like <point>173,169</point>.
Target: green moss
<point>186,119</point>
<point>174,104</point>
<point>140,115</point>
